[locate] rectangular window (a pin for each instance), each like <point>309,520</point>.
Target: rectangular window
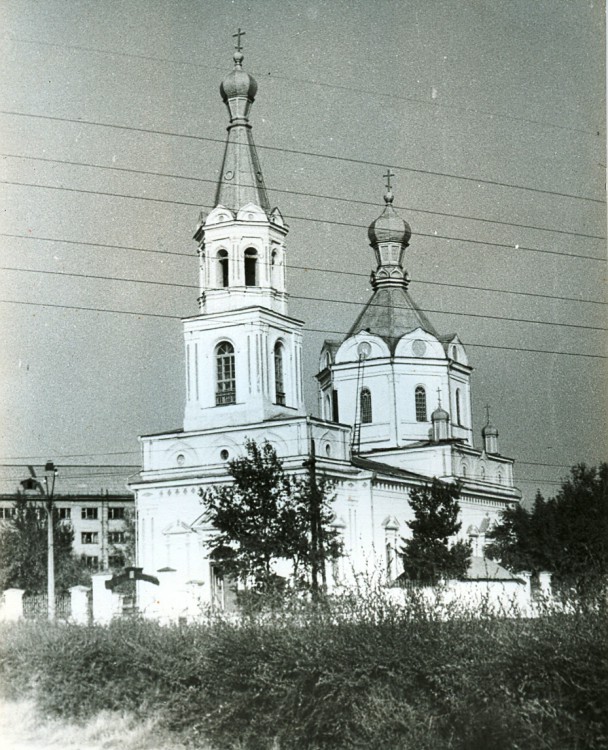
<point>91,561</point>
<point>116,561</point>
<point>7,512</point>
<point>64,513</point>
<point>89,514</point>
<point>116,537</point>
<point>89,537</point>
<point>115,514</point>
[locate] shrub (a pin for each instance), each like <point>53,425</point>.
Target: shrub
<point>356,672</point>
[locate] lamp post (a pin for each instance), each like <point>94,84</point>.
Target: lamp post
<point>50,472</point>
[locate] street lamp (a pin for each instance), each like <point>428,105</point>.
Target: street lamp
<point>50,472</point>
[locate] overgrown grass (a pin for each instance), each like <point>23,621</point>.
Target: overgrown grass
<point>357,672</point>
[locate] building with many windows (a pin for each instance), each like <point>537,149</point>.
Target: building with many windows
<point>395,393</point>
<point>95,500</point>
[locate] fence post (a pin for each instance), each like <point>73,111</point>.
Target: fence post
<point>79,601</point>
<point>106,604</point>
<point>12,605</point>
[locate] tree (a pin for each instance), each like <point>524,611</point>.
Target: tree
<point>429,555</point>
<point>23,550</point>
<point>265,515</point>
<point>566,535</point>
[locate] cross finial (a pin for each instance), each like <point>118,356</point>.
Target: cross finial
<point>388,175</point>
<point>487,408</point>
<point>439,396</point>
<point>238,46</point>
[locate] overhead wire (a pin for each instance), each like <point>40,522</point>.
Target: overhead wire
<point>316,269</point>
<point>304,328</point>
<point>377,93</point>
<point>434,235</point>
<point>301,152</point>
<point>485,316</point>
<point>356,201</point>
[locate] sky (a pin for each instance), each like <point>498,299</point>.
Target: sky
<point>491,115</point>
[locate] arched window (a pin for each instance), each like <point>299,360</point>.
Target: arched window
<point>458,419</point>
<point>483,473</point>
<point>251,259</point>
<point>455,354</point>
<point>366,406</point>
<point>420,396</point>
<point>222,268</point>
<point>279,385</point>
<point>328,414</point>
<point>225,388</point>
<point>499,477</point>
<point>463,470</point>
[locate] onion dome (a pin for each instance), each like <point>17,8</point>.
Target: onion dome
<point>489,431</point>
<point>389,226</point>
<point>238,82</point>
<point>440,415</point>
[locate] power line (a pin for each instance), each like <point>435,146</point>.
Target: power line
<point>301,152</point>
<point>307,298</point>
<point>315,269</point>
<point>434,236</point>
<point>322,84</point>
<point>305,328</point>
<point>305,194</point>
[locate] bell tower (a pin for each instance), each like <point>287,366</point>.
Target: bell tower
<point>243,351</point>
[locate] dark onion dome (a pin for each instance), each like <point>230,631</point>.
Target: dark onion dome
<point>440,415</point>
<point>389,226</point>
<point>238,83</point>
<point>489,431</point>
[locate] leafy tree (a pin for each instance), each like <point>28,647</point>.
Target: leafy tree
<point>265,515</point>
<point>428,555</point>
<point>123,554</point>
<point>23,550</point>
<point>566,535</point>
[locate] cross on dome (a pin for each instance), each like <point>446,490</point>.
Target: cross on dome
<point>238,46</point>
<point>388,175</point>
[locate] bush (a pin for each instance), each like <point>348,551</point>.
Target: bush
<point>350,672</point>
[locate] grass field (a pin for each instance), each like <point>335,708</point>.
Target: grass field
<point>352,673</point>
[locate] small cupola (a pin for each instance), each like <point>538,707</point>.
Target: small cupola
<point>490,436</point>
<point>389,235</point>
<point>440,420</point>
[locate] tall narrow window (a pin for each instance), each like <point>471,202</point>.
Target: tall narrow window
<point>222,268</point>
<point>366,406</point>
<point>251,258</point>
<point>458,419</point>
<point>279,384</point>
<point>225,392</point>
<point>420,397</point>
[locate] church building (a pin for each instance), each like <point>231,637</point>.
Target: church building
<point>395,393</point>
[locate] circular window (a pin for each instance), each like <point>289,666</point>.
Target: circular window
<point>250,217</point>
<point>419,348</point>
<point>228,174</point>
<point>224,455</point>
<point>259,176</point>
<point>181,459</point>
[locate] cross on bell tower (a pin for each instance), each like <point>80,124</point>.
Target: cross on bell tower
<point>238,46</point>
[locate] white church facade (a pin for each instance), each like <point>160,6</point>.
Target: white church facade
<point>395,394</point>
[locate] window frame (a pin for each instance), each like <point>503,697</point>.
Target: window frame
<point>279,373</point>
<point>89,513</point>
<point>365,406</point>
<point>420,404</point>
<point>225,374</point>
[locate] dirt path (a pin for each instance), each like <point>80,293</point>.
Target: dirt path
<point>22,729</point>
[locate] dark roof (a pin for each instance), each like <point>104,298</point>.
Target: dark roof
<point>82,480</point>
<point>391,313</point>
<point>381,468</point>
<point>482,569</point>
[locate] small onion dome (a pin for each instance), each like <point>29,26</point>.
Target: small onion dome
<point>238,83</point>
<point>489,431</point>
<point>389,226</point>
<point>440,415</point>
